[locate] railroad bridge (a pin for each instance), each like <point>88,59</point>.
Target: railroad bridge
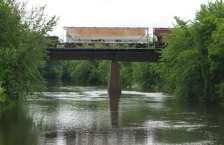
<point>115,55</point>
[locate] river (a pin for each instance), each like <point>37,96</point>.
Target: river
<point>85,115</point>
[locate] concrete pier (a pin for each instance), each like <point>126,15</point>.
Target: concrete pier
<point>114,85</point>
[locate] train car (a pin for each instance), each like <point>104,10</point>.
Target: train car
<point>137,36</point>
<point>131,36</point>
<point>159,40</point>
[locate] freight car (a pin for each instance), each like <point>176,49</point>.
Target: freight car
<point>107,35</point>
<point>129,36</point>
<point>158,38</point>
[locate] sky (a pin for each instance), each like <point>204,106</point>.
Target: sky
<point>118,13</point>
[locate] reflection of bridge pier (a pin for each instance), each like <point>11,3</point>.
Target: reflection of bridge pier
<point>114,110</point>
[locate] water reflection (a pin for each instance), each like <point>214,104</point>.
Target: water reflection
<point>93,132</point>
<point>71,114</point>
<point>93,119</point>
<point>16,128</point>
<point>114,110</point>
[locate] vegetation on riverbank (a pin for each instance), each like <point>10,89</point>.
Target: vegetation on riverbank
<point>193,62</point>
<point>22,49</point>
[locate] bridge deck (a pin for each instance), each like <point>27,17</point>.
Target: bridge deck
<point>114,54</point>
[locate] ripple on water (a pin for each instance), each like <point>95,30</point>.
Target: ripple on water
<point>74,96</point>
<point>79,88</point>
<point>151,124</point>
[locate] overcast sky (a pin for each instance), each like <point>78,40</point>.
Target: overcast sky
<point>118,13</point>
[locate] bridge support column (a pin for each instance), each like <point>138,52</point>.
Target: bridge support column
<point>114,85</point>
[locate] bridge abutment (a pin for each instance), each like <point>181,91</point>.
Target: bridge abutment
<point>114,85</point>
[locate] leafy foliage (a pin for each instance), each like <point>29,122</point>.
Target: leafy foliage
<point>126,74</point>
<point>22,48</point>
<point>54,69</point>
<point>193,61</point>
<point>145,75</point>
<point>88,71</point>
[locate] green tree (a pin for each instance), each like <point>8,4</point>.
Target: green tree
<point>22,48</point>
<point>103,71</point>
<point>216,59</point>
<point>180,66</point>
<point>54,69</point>
<point>79,70</point>
<point>145,75</point>
<point>94,74</point>
<point>126,74</point>
<point>192,67</point>
<point>83,71</point>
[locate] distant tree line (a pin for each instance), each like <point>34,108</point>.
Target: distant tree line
<point>132,74</point>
